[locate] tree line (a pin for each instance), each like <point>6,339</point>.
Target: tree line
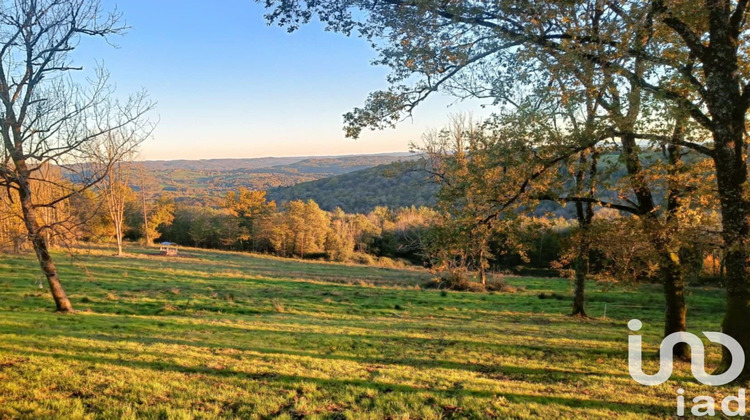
<point>132,207</point>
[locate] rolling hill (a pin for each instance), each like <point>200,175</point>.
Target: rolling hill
<point>206,181</point>
<point>219,164</point>
<point>398,184</point>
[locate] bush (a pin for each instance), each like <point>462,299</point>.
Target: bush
<point>361,258</point>
<point>339,256</point>
<point>387,262</point>
<point>500,286</point>
<point>403,263</point>
<point>458,279</point>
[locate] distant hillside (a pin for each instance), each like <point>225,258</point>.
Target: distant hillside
<point>336,165</point>
<point>402,184</point>
<point>398,184</point>
<point>257,163</point>
<point>218,164</point>
<point>206,181</point>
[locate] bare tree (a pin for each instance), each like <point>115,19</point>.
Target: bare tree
<point>50,119</point>
<point>115,186</point>
<point>147,185</point>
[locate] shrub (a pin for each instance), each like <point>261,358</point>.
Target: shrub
<point>501,286</point>
<point>458,279</point>
<point>387,262</point>
<point>339,256</point>
<point>402,263</point>
<point>361,258</point>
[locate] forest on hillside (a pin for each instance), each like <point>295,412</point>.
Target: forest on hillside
<point>207,181</point>
<point>400,184</point>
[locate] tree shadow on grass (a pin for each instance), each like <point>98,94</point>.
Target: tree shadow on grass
<point>492,371</point>
<point>369,340</point>
<point>380,387</point>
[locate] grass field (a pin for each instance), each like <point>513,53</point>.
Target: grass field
<point>222,335</point>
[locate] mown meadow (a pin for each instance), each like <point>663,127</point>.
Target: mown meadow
<point>227,335</point>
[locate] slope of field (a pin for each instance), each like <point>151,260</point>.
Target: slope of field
<point>221,335</point>
<point>394,185</point>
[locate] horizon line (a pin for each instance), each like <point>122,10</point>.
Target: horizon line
<point>407,152</point>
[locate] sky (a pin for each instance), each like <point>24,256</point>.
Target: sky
<point>228,85</point>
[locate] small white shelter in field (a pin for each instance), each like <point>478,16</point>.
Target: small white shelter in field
<point>168,248</point>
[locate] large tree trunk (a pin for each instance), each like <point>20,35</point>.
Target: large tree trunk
<point>675,319</point>
<point>673,279</point>
<point>728,110</point>
<point>40,246</point>
<point>579,294</point>
<point>728,106</point>
<point>585,216</point>
<point>50,271</point>
<point>672,268</point>
<point>731,176</point>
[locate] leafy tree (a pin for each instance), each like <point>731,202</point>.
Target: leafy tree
<point>364,232</point>
<point>251,207</point>
<point>160,217</point>
<point>303,228</point>
<point>402,231</point>
<point>340,242</point>
<point>461,239</point>
<point>199,226</point>
<point>628,255</point>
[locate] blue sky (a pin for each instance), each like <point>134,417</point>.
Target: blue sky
<point>228,85</point>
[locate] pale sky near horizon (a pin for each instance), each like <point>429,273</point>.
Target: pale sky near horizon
<point>229,86</point>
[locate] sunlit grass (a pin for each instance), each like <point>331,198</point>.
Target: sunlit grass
<point>203,336</point>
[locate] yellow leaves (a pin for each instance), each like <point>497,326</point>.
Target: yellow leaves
<point>705,201</point>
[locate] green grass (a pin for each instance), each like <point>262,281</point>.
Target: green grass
<point>224,335</point>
